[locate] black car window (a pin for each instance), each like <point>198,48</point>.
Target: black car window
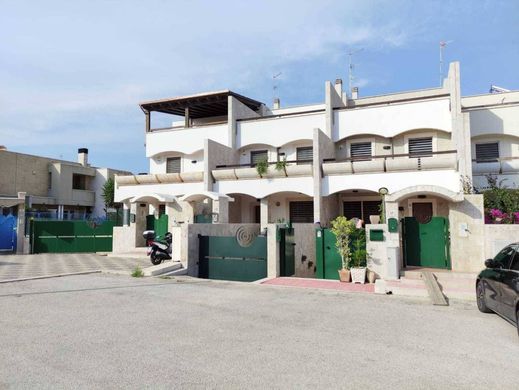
<point>504,257</point>
<point>515,262</point>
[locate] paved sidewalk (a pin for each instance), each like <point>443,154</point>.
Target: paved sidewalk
<point>321,284</point>
<point>14,267</point>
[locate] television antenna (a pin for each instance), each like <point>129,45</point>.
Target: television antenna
<point>443,45</point>
<point>351,67</point>
<point>274,83</point>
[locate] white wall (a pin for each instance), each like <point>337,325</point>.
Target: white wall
<point>496,120</point>
<point>278,131</point>
<point>289,149</point>
<point>396,181</point>
<point>185,141</point>
<point>158,163</point>
<point>259,188</point>
<point>389,120</point>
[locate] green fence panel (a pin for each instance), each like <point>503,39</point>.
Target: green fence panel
<point>224,259</point>
<point>286,252</point>
<point>70,236</point>
<point>426,244</point>
<point>158,225</point>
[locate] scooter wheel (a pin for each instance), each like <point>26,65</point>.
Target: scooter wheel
<point>154,259</point>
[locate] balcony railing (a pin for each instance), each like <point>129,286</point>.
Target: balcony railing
<point>392,163</point>
<point>249,171</point>
<point>83,197</point>
<point>501,165</point>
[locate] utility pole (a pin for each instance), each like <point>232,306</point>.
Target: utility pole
<point>350,69</point>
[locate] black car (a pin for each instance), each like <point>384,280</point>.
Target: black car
<point>497,286</point>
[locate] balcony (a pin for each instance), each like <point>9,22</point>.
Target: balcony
<point>185,140</point>
<point>83,197</point>
<point>293,168</point>
<point>160,178</point>
<point>495,166</point>
<point>392,163</point>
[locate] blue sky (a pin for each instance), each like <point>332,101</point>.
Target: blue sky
<point>72,72</point>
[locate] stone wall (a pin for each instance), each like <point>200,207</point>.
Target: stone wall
<point>467,234</point>
<point>499,236</point>
<point>304,256</point>
<point>377,251</point>
<point>123,239</point>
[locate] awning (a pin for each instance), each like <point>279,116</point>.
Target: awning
<point>153,197</point>
<point>10,202</point>
<point>202,105</point>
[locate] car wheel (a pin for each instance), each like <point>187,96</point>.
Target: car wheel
<point>480,298</point>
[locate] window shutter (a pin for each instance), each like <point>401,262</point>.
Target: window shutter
<point>352,210</point>
<point>305,154</point>
<point>173,165</point>
<point>420,147</point>
<point>488,152</point>
<point>360,151</point>
<point>258,155</point>
<point>302,212</point>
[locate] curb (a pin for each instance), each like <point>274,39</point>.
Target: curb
<point>51,276</point>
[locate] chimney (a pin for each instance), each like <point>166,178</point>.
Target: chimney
<point>277,104</point>
<point>355,93</point>
<point>338,87</point>
<point>82,156</point>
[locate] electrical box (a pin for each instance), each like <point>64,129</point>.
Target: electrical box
<point>392,225</point>
<point>376,235</point>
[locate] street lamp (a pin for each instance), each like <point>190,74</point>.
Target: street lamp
<point>383,191</point>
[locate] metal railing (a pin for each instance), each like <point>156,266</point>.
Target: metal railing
<point>390,156</point>
<point>251,165</point>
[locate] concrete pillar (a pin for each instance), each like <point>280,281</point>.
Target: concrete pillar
<point>20,226</point>
<point>323,148</point>
<point>61,211</point>
<point>221,209</point>
<point>140,210</point>
<point>126,213</point>
<point>264,212</point>
<point>272,251</point>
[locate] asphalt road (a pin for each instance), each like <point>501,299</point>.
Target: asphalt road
<point>109,331</point>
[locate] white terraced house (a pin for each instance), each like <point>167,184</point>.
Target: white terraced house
<point>324,160</point>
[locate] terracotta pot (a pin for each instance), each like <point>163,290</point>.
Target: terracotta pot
<point>344,275</point>
<point>371,276</point>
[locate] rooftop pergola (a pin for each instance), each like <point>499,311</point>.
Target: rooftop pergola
<point>203,105</point>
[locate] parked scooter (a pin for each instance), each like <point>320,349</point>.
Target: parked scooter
<point>158,250</point>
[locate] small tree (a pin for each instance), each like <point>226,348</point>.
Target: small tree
<point>262,167</point>
<point>108,193</point>
<point>342,228</point>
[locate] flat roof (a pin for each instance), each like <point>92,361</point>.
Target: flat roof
<point>201,105</point>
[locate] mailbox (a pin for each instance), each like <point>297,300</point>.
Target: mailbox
<point>376,235</point>
<point>392,225</point>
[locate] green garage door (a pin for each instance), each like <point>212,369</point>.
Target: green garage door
<point>71,236</point>
<point>223,258</point>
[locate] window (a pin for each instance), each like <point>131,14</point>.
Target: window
<point>487,152</point>
<point>79,182</point>
<point>360,151</point>
<point>515,262</point>
<point>258,155</point>
<point>420,147</point>
<point>305,155</point>
<point>302,212</point>
<point>361,209</point>
<point>352,209</point>
<point>173,165</point>
<point>504,257</point>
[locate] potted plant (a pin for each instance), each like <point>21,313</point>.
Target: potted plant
<point>358,257</point>
<point>342,228</point>
<point>281,165</point>
<point>262,167</point>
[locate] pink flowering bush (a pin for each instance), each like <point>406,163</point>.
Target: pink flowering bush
<point>496,216</point>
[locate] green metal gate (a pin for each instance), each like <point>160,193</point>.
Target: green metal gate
<point>70,236</point>
<point>225,259</point>
<point>426,244</point>
<point>286,251</point>
<point>328,259</point>
<point>159,225</point>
